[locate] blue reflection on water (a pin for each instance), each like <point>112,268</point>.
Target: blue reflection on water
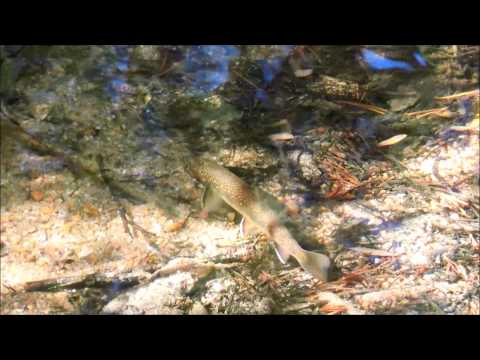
<point>115,287</point>
<point>209,65</point>
<point>420,59</point>
<point>116,87</point>
<point>116,74</point>
<point>118,84</point>
<point>379,62</point>
<point>122,65</point>
<point>262,96</point>
<point>270,68</point>
<point>365,127</point>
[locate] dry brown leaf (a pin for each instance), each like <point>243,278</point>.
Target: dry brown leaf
<point>333,309</point>
<point>90,210</point>
<point>175,225</point>
<point>353,278</point>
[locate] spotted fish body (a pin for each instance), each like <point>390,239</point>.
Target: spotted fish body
<point>236,193</point>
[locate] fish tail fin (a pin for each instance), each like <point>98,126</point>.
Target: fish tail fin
<point>315,264</point>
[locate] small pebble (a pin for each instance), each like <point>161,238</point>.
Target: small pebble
<point>198,309</point>
<point>419,259</point>
<point>429,277</point>
<point>37,195</point>
<point>231,216</point>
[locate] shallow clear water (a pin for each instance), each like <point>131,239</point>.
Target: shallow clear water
<point>88,130</point>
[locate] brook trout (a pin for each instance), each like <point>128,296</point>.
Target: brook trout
<point>236,193</point>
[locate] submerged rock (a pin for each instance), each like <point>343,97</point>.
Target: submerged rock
<point>162,296</point>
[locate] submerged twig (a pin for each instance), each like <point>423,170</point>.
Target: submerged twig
<point>246,80</point>
<point>441,112</point>
<point>189,265</point>
<point>470,93</point>
<point>91,279</point>
<point>333,304</point>
<point>373,252</point>
<point>390,297</point>
<point>372,108</point>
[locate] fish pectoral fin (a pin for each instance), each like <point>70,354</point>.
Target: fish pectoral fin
<point>282,253</point>
<point>211,201</point>
<point>247,227</point>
